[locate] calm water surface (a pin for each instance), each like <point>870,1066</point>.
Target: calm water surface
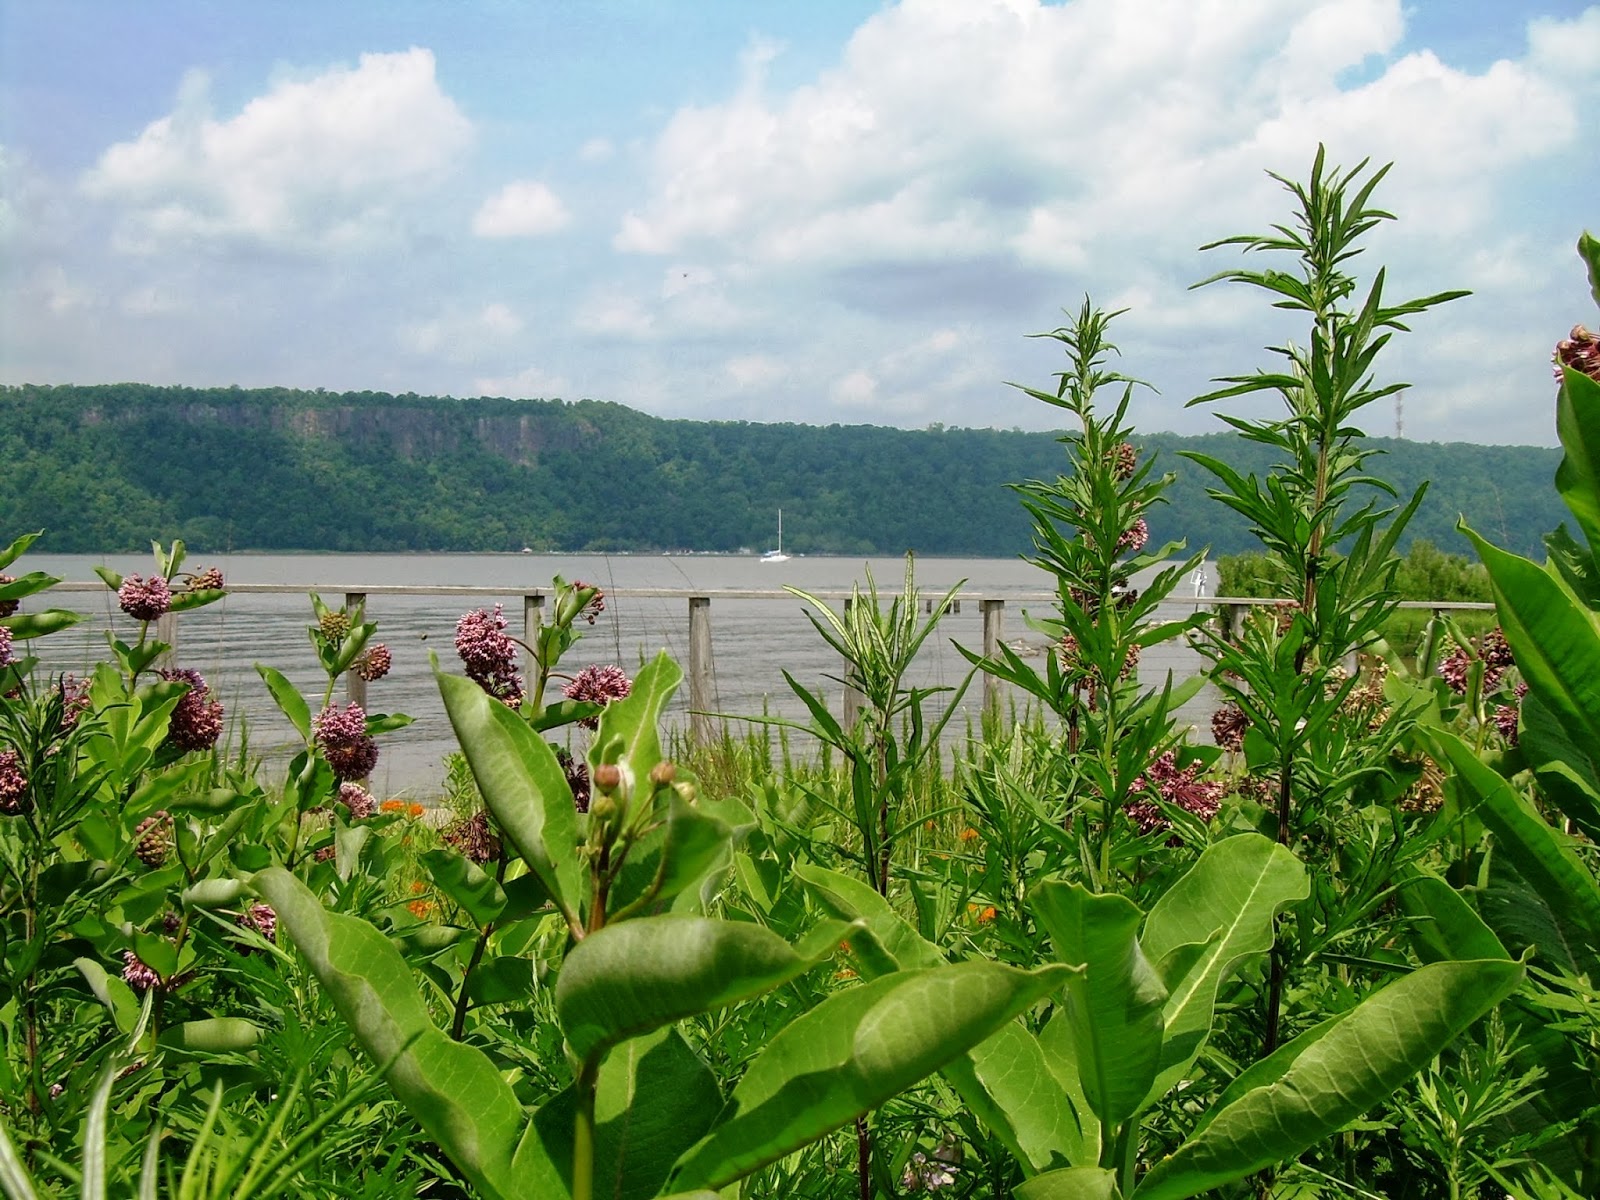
<point>754,641</point>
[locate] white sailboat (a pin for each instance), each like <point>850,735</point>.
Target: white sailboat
<point>777,556</point>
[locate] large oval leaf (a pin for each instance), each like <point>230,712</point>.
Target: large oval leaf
<point>455,1091</point>
<point>523,785</point>
<point>852,1052</point>
<point>1214,918</point>
<point>635,976</point>
<point>1332,1075</point>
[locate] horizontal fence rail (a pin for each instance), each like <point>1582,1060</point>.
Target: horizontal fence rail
<point>699,644</point>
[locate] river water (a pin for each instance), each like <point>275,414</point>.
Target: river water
<point>754,640</point>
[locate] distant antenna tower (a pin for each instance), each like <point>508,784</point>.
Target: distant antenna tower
<point>1399,417</point>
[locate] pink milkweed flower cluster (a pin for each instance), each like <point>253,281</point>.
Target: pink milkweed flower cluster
<point>7,656</point>
<point>196,721</point>
<point>1134,537</point>
<point>361,803</point>
<point>1229,724</point>
<point>598,684</point>
<point>7,607</point>
<point>144,599</point>
<point>1580,351</point>
<point>13,784</point>
<point>489,654</point>
<point>342,736</point>
<point>374,664</point>
<point>597,602</point>
<point>1181,787</point>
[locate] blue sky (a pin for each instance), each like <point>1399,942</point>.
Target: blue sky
<point>821,212</point>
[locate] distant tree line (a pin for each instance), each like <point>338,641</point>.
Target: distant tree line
<point>107,468</point>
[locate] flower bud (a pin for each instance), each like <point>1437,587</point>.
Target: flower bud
<point>663,773</point>
<point>607,778</point>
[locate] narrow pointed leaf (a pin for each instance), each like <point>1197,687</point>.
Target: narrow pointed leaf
<point>466,883</point>
<point>1445,927</point>
<point>852,1052</point>
<point>635,976</point>
<point>288,699</point>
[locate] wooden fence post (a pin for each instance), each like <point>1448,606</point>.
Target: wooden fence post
<point>532,618</point>
<point>853,699</point>
<point>167,631</point>
<point>700,677</point>
<point>994,612</point>
<point>355,687</point>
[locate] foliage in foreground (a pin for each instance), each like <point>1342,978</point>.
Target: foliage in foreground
<point>1349,948</point>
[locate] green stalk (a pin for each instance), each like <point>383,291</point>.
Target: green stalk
<point>583,1131</point>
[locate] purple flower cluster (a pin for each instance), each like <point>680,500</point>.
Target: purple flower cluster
<point>262,919</point>
<point>209,580</point>
<point>1228,727</point>
<point>342,736</point>
<point>144,599</point>
<point>597,684</point>
<point>925,1174</point>
<point>7,657</point>
<point>375,663</point>
<point>489,654</point>
<point>597,602</point>
<point>13,784</point>
<point>74,700</point>
<point>358,800</point>
<point>1134,537</point>
<point>1580,351</point>
<point>7,607</point>
<point>1180,787</point>
<point>153,838</point>
<point>1124,460</point>
<point>196,721</point>
<point>138,974</point>
<point>472,838</point>
<point>577,773</point>
<point>1492,649</point>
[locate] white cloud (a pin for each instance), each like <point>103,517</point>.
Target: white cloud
<point>322,163</point>
<point>751,372</point>
<point>526,208</point>
<point>596,150</point>
<point>461,335</point>
<point>528,383</point>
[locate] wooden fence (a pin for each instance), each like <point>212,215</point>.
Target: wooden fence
<point>1231,611</point>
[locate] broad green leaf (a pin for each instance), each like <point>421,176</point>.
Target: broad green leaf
<point>1445,927</point>
<point>672,858</point>
<point>1115,1003</point>
<point>635,976</point>
<point>1588,250</point>
<point>523,785</point>
<point>1522,918</point>
<point>1210,921</point>
<point>1007,1084</point>
<point>1578,475</point>
<point>654,1100</point>
<point>1334,1077</point>
<point>288,699</point>
<point>1565,772</point>
<point>1542,854</point>
<point>886,942</point>
<point>111,991</point>
<point>1555,639</point>
<point>1004,1080</point>
<point>627,735</point>
<point>455,1091</point>
<point>24,626</point>
<point>466,883</point>
<point>1075,1183</point>
<point>852,1052</point>
<point>1060,1049</point>
<point>218,1035</point>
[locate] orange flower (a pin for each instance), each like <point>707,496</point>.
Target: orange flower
<point>969,834</point>
<point>929,825</point>
<point>418,887</point>
<point>392,806</point>
<point>846,973</point>
<point>982,913</point>
<point>416,810</point>
<point>844,947</point>
<point>420,908</point>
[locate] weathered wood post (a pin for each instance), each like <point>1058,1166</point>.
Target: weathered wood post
<point>167,631</point>
<point>700,678</point>
<point>532,618</point>
<point>355,687</point>
<point>853,699</point>
<point>994,612</point>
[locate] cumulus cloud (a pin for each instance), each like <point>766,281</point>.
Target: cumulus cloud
<point>528,383</point>
<point>460,335</point>
<point>323,162</point>
<point>526,208</point>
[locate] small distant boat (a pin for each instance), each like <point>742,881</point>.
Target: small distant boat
<point>777,556</point>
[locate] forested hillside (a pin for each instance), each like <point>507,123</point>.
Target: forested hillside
<point>107,468</point>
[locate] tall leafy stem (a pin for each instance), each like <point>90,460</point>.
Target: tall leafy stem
<point>1316,513</point>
